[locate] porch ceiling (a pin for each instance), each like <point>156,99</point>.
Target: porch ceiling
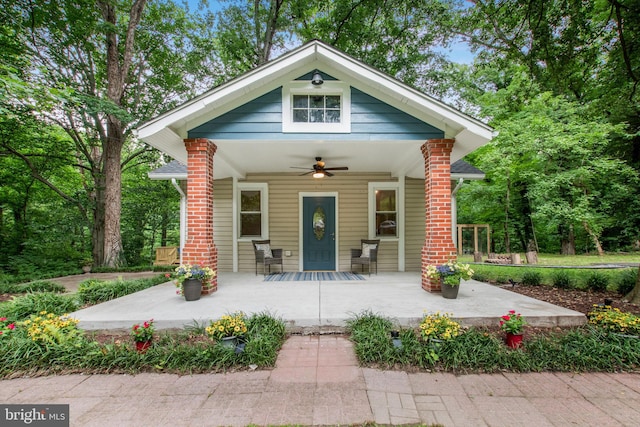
<point>237,157</point>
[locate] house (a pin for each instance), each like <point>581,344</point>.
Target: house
<point>316,130</point>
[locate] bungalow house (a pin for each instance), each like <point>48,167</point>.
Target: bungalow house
<point>316,130</point>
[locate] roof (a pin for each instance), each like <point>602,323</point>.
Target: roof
<point>167,131</point>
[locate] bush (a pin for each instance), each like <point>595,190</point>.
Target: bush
<point>561,279</point>
<point>97,291</point>
<point>531,278</point>
<point>597,281</point>
<point>627,281</point>
<point>42,286</point>
<point>24,306</point>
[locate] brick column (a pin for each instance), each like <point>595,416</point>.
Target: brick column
<point>200,247</point>
<point>438,245</point>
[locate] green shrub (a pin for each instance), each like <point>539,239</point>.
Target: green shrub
<point>627,281</point>
<point>561,279</point>
<point>597,281</point>
<point>614,320</point>
<point>97,291</point>
<point>33,303</point>
<point>41,286</point>
<point>531,278</point>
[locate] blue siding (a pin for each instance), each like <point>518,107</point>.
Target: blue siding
<point>261,119</point>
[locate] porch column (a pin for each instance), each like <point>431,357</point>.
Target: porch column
<point>438,245</point>
<point>200,247</point>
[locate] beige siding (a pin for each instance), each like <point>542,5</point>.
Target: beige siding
<point>222,223</point>
<point>284,189</point>
<point>414,218</point>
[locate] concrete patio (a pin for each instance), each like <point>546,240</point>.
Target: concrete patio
<point>322,306</point>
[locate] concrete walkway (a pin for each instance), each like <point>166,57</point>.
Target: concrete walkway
<point>317,381</point>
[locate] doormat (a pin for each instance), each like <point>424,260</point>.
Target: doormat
<point>312,276</point>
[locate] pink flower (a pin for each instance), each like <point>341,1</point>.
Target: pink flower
<point>12,326</point>
<point>2,319</point>
<point>512,312</point>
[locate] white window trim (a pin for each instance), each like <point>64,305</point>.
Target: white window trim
<point>329,87</point>
<point>373,186</point>
<point>263,188</point>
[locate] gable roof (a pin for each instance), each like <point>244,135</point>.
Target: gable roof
<point>235,158</point>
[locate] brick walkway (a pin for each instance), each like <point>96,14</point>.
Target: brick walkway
<point>316,381</point>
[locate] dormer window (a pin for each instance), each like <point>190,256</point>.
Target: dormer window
<point>316,109</point>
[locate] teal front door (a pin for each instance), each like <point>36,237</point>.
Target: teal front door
<point>319,233</point>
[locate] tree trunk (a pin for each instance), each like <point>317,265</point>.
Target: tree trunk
<point>594,237</point>
<point>113,198</point>
<point>569,243</point>
<point>634,295</point>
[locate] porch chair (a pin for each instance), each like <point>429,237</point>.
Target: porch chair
<point>367,254</point>
<point>266,255</point>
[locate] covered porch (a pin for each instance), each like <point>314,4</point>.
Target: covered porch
<point>322,306</point>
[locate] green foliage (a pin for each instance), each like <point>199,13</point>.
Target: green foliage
<point>96,291</point>
<point>479,350</point>
<point>33,303</point>
<point>614,320</point>
<point>184,352</point>
<point>41,286</point>
<point>532,278</point>
<point>560,279</point>
<point>597,281</point>
<point>627,281</point>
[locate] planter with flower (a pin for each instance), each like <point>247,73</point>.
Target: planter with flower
<point>228,329</point>
<point>450,275</point>
<point>513,324</point>
<point>189,280</point>
<point>142,335</point>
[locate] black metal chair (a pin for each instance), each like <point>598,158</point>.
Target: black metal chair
<point>367,255</point>
<point>266,256</point>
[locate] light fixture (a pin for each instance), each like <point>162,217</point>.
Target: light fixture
<point>318,174</point>
<point>317,80</point>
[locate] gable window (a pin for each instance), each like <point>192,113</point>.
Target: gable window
<point>316,109</point>
<point>253,210</point>
<point>383,202</point>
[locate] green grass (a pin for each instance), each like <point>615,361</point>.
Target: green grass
<point>574,260</point>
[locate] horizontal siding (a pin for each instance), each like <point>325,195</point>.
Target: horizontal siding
<point>222,223</point>
<point>261,119</point>
<point>415,223</point>
<point>284,192</point>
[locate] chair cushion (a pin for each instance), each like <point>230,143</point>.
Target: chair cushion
<point>266,248</point>
<point>366,249</point>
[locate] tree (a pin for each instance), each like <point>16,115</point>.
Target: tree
<point>108,65</point>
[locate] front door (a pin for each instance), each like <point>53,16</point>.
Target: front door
<point>319,233</point>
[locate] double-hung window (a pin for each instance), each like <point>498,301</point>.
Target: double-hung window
<point>253,210</point>
<point>383,208</point>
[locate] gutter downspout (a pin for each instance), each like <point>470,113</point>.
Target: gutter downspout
<point>183,215</point>
<point>454,213</point>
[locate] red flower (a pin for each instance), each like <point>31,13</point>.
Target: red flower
<point>12,326</point>
<point>506,317</point>
<point>512,312</point>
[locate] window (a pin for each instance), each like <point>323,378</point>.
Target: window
<point>253,210</point>
<point>316,109</point>
<point>386,213</point>
<point>383,208</point>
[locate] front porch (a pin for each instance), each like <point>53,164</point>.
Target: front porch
<point>322,306</point>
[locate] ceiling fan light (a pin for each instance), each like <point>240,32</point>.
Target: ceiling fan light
<point>318,174</point>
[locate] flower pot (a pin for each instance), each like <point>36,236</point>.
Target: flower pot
<point>142,346</point>
<point>229,342</point>
<point>448,291</point>
<point>192,289</point>
<point>513,340</point>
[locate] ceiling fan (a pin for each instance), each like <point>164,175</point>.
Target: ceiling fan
<point>319,171</point>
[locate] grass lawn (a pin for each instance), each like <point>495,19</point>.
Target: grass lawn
<point>575,260</point>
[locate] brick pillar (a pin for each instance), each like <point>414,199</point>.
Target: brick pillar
<point>200,247</point>
<point>438,245</point>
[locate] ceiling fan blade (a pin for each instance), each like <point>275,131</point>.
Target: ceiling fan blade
<point>297,167</point>
<point>339,168</point>
<point>306,173</point>
<point>328,173</point>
